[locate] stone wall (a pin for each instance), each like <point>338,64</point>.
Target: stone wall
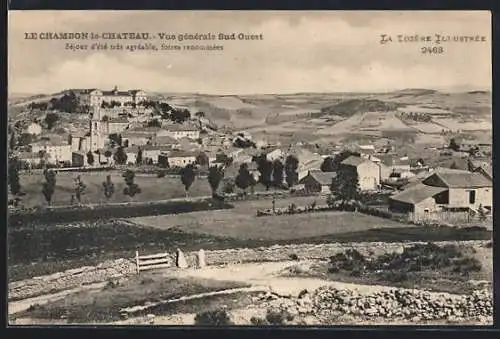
<point>125,267</point>
<point>330,305</point>
<point>308,251</point>
<point>69,279</point>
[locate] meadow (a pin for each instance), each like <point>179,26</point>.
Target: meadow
<point>153,188</point>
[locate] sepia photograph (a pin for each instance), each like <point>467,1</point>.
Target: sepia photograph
<point>263,168</point>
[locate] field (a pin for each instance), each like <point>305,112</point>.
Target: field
<point>153,188</point>
<point>53,248</point>
<point>455,125</point>
<point>105,305</point>
<point>241,222</point>
<point>426,127</point>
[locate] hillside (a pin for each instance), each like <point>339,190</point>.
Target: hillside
<point>350,107</point>
<point>249,111</point>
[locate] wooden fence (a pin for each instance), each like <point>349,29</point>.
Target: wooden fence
<point>152,261</point>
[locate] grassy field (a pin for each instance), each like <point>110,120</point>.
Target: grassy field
<point>105,305</point>
<point>153,188</point>
<point>242,223</point>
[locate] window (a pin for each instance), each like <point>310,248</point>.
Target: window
<point>472,197</point>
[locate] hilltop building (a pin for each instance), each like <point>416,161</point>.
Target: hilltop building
<point>95,97</point>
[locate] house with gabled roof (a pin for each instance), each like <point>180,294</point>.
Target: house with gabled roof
<point>445,191</point>
<point>317,181</point>
<point>368,172</point>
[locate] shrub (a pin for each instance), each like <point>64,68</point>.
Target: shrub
<point>258,321</point>
<point>278,317</point>
<point>465,266</point>
<point>489,244</point>
<point>218,317</point>
<point>110,285</point>
<point>161,174</point>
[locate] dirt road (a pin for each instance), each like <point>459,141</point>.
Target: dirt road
<point>22,305</point>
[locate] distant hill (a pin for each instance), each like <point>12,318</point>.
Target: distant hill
<point>348,108</point>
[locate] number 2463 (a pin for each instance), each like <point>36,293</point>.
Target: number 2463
<point>432,50</point>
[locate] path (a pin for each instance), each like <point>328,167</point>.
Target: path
<point>268,274</point>
<point>22,305</point>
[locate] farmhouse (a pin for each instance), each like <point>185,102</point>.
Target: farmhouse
<point>131,153</point>
<point>34,129</point>
<point>55,151</point>
<point>181,158</point>
<point>317,181</point>
<point>136,138</point>
<point>451,191</point>
<point>29,158</point>
<point>275,154</point>
<point>150,153</point>
<point>164,140</point>
<point>368,172</point>
<point>179,131</point>
<point>366,149</point>
<point>116,125</point>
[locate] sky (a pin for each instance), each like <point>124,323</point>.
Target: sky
<point>322,51</point>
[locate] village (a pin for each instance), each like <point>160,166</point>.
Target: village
<point>127,130</point>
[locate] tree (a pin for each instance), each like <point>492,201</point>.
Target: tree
<point>109,187</point>
<point>79,189</point>
<point>12,141</point>
<point>215,176</point>
<point>49,186</point>
<point>200,114</point>
<point>278,173</point>
<point>328,165</point>
<point>291,170</point>
<point>345,185</point>
<point>341,157</point>
<point>180,115</point>
<point>154,123</point>
<point>132,189</point>
<point>13,177</point>
<point>202,159</point>
<point>108,155</point>
<point>25,139</point>
<point>454,144</point>
<point>228,186</point>
<point>51,119</point>
<point>90,158</point>
<point>120,156</point>
<point>138,159</point>
<point>188,175</point>
<point>265,168</point>
<point>244,178</point>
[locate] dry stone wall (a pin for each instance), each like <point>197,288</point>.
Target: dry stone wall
<point>108,270</point>
<point>329,305</point>
<point>114,269</point>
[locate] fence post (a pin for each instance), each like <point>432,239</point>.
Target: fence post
<point>137,261</point>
